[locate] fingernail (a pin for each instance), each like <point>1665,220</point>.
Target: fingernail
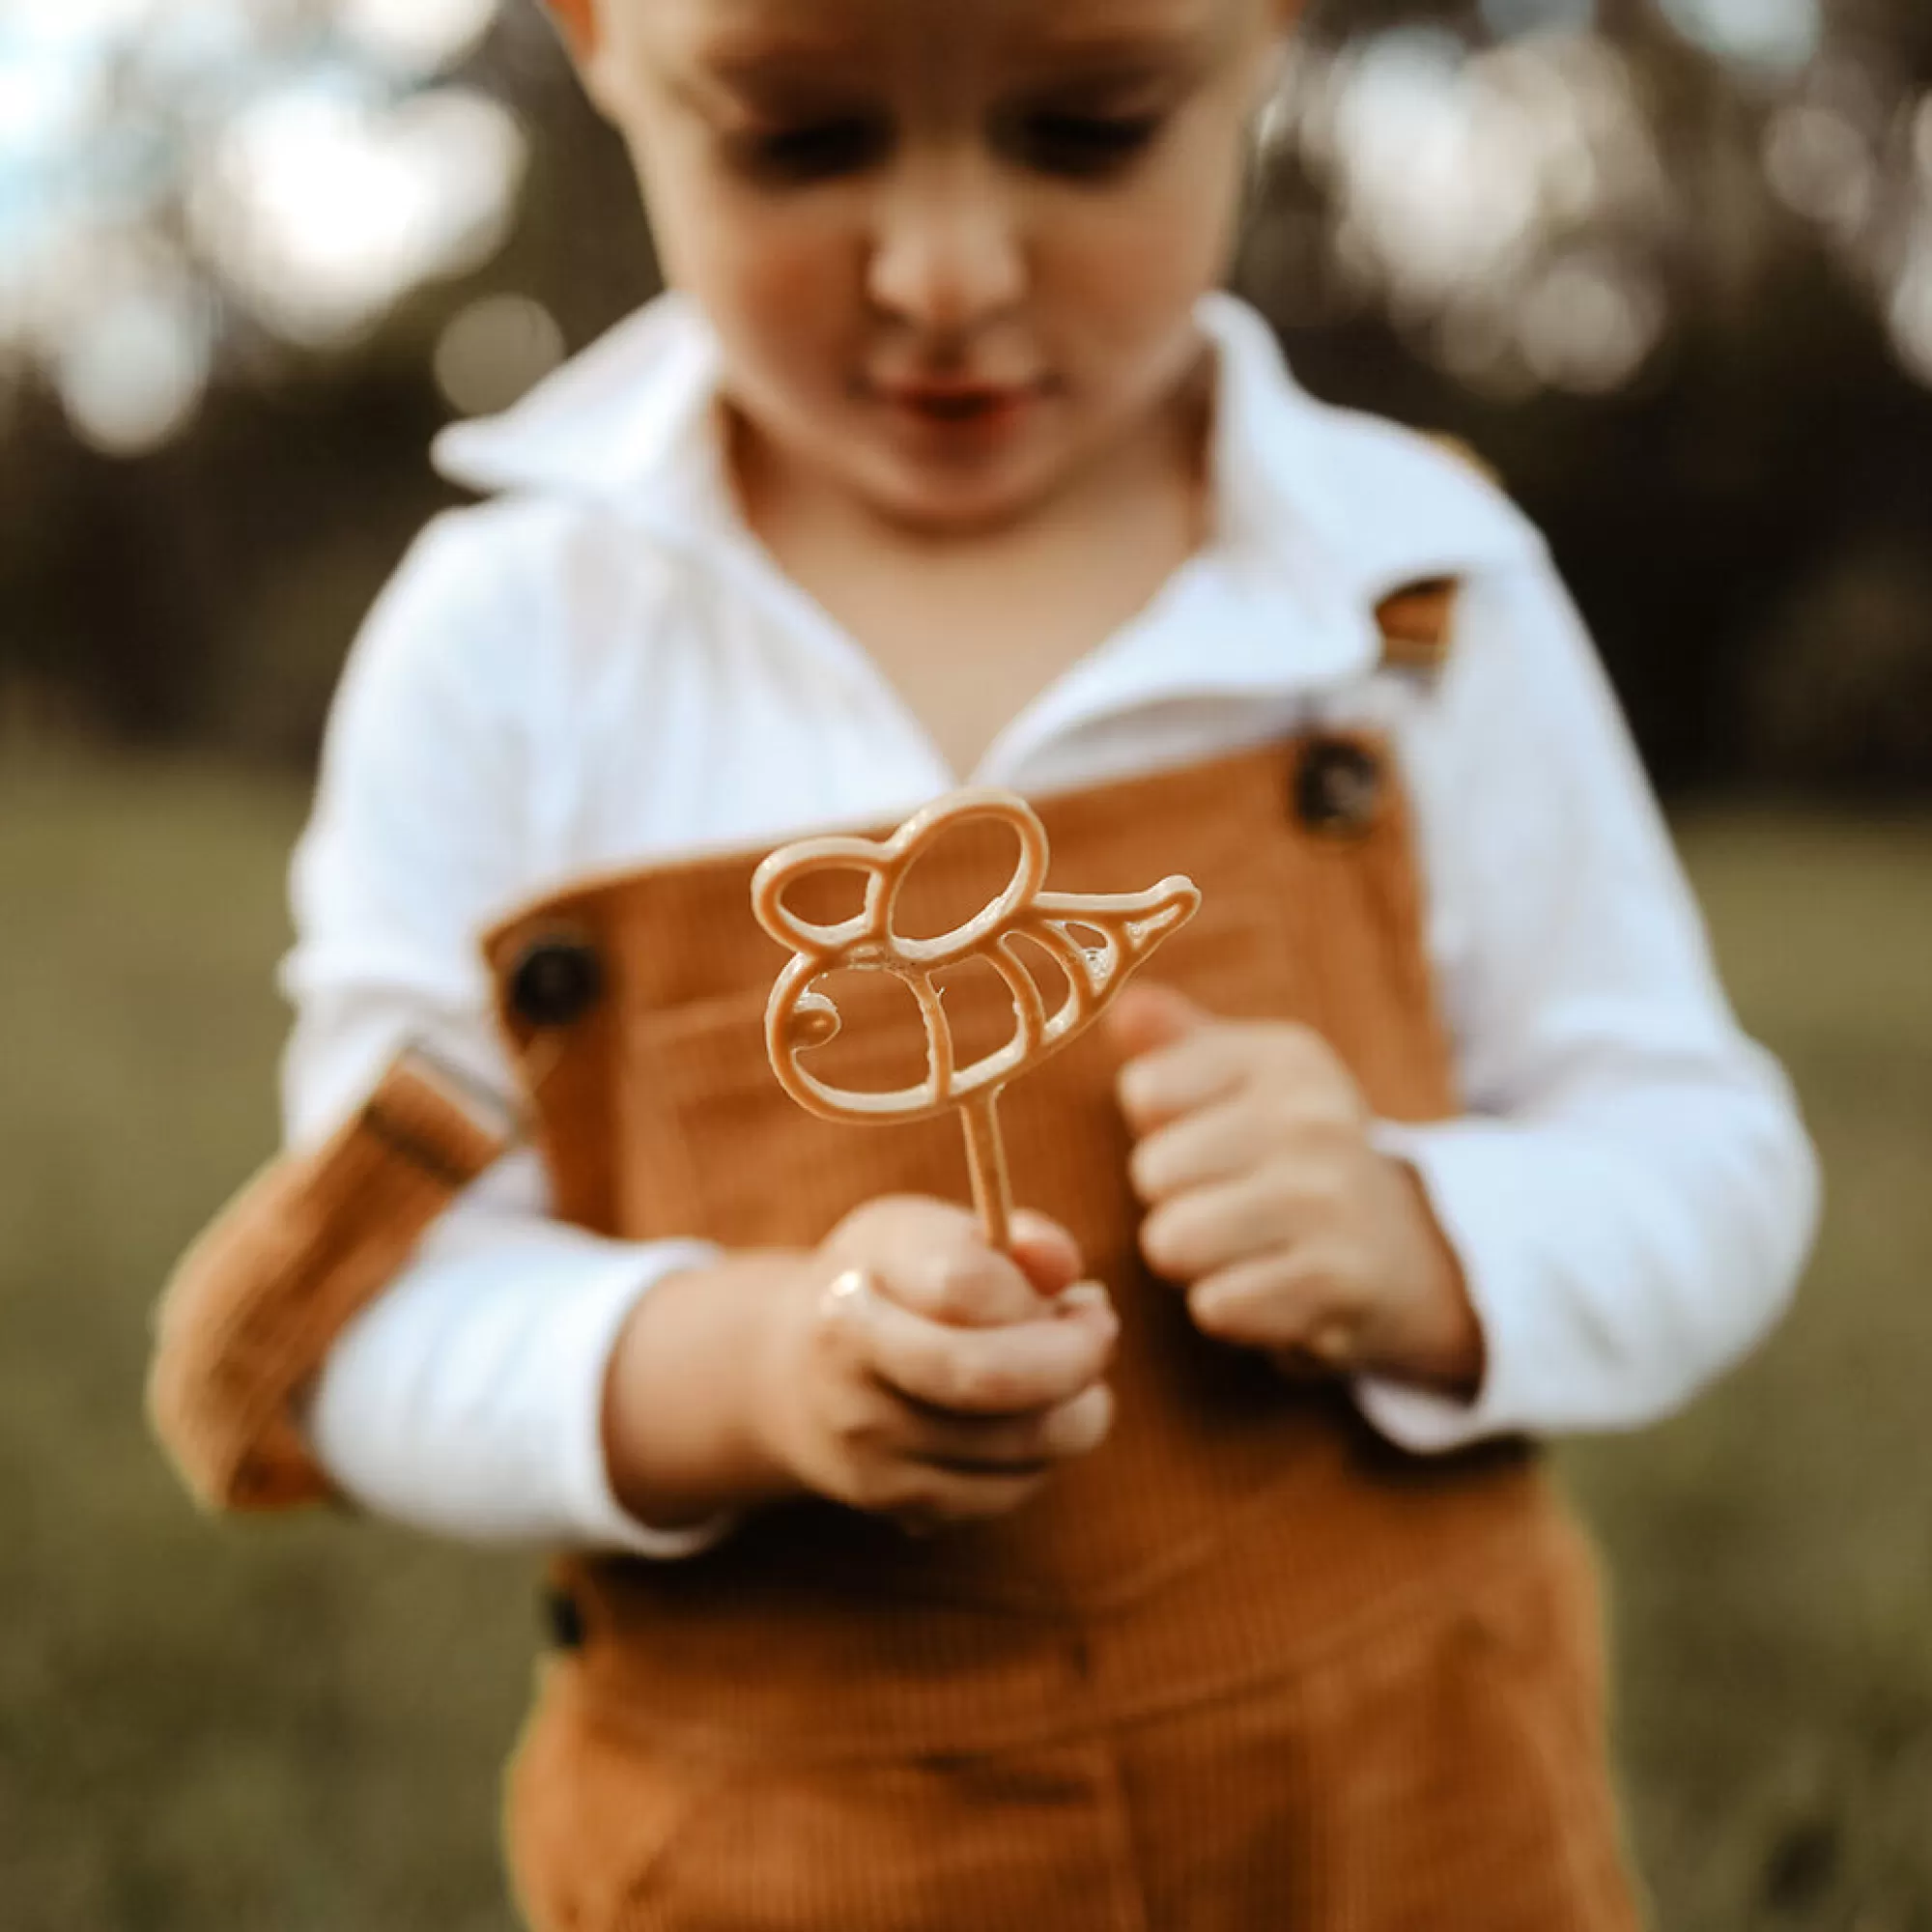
<point>1088,1295</point>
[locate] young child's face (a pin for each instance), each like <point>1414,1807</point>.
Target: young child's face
<point>951,246</point>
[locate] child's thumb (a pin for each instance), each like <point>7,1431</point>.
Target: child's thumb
<point>1148,1016</point>
<point>1046,1254</point>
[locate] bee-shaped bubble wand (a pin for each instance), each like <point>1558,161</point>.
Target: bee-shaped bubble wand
<point>1095,939</point>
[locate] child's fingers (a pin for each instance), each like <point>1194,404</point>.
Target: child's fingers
<point>1216,1143</point>
<point>931,1257</point>
<point>963,1284</point>
<point>1004,1371</point>
<point>1011,1445</point>
<point>1307,1123</point>
<point>1148,1016</point>
<point>932,1497</point>
<point>1293,1299</point>
<point>1046,1254</point>
<point>1292,1064</point>
<point>1210,1064</point>
<point>1191,1234</point>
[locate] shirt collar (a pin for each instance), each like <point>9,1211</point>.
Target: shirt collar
<point>1341,507</point>
<point>1336,492</point>
<point>632,416</point>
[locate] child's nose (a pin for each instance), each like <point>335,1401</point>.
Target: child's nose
<point>947,254</point>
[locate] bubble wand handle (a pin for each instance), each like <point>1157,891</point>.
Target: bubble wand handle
<point>987,1166</point>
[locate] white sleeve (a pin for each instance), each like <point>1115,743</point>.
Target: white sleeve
<point>467,1398</point>
<point>1630,1192</point>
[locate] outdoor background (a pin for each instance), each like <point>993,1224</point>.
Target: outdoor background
<point>1666,263</point>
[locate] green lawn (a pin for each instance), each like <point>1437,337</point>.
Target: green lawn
<point>299,1726</point>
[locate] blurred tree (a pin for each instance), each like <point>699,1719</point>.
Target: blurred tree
<point>1667,262</point>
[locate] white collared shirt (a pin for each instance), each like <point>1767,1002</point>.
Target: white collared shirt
<point>601,668</point>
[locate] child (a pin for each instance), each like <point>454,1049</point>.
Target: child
<point>919,1586</point>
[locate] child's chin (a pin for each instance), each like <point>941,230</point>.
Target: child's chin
<point>949,503</point>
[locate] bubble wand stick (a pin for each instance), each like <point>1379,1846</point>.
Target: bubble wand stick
<point>1127,927</point>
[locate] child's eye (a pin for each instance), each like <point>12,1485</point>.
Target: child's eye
<point>1083,146</point>
<point>815,151</point>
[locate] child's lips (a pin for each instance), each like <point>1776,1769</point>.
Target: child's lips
<point>981,407</point>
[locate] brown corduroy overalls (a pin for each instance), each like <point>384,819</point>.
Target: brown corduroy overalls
<point>1244,1668</point>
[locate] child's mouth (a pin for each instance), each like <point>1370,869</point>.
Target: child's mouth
<point>981,409</point>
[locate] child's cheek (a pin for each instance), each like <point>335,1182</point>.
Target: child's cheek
<point>1122,279</point>
<point>778,292</point>
<point>1147,248</point>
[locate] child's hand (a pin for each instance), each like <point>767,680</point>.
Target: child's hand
<point>916,1372</point>
<point>1269,1204</point>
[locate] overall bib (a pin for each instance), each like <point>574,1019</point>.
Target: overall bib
<point>1245,1669</point>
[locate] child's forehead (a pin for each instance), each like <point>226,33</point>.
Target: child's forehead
<point>752,34</point>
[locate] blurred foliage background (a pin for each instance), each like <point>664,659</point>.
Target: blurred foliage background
<point>1666,263</point>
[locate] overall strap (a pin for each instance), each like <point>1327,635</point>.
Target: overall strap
<point>1418,619</point>
<point>1418,625</point>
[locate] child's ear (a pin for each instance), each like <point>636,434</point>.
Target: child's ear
<point>579,20</point>
<point>583,34</point>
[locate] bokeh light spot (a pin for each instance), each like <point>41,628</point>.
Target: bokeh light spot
<point>1491,197</point>
<point>1779,35</point>
<point>1507,20</point>
<point>133,369</point>
<point>1589,324</point>
<point>321,212</point>
<point>492,351</point>
<point>419,36</point>
<point>1820,165</point>
<point>1909,312</point>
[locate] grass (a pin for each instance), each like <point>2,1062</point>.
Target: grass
<point>1772,1548</point>
<point>299,1726</point>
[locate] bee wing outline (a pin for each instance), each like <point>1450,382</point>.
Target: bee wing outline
<point>925,830</point>
<point>806,858</point>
